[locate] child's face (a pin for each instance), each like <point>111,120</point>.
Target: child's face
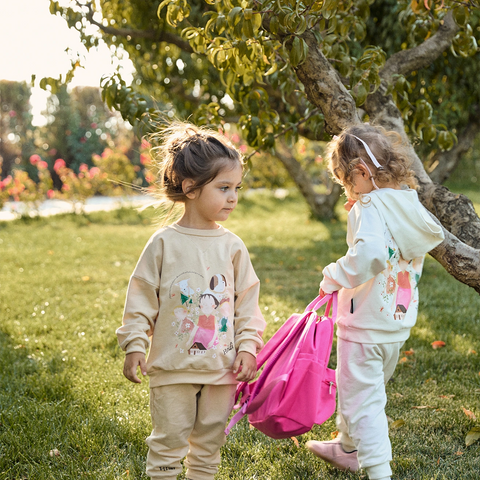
<point>207,305</point>
<point>180,313</point>
<point>216,200</point>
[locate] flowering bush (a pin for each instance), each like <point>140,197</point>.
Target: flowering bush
<point>21,188</point>
<point>77,188</point>
<point>118,170</point>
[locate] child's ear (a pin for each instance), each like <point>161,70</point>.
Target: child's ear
<point>187,185</point>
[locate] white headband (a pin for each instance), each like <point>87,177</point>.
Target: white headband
<point>372,158</point>
<point>369,153</point>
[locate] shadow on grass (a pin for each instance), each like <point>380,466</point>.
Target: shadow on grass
<point>49,430</point>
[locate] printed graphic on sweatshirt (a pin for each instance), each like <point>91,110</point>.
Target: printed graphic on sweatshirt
<point>202,317</point>
<point>401,280</point>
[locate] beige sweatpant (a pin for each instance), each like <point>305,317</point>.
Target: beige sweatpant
<point>188,420</point>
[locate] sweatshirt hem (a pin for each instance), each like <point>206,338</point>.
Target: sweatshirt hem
<point>199,377</point>
<point>360,335</point>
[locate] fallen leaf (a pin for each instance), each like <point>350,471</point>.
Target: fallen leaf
<point>409,352</point>
<point>474,352</point>
<point>446,396</point>
<point>403,360</point>
<point>397,423</point>
<point>86,278</point>
<point>396,394</point>
<point>459,453</point>
<point>472,436</point>
<point>54,453</point>
<point>469,414</point>
<point>295,441</point>
<point>334,434</point>
<point>437,344</point>
<point>420,407</point>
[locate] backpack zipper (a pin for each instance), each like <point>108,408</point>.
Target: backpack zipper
<point>330,389</point>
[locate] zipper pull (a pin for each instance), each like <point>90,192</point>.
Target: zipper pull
<point>330,389</point>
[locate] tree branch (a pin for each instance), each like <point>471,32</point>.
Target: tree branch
<point>407,61</point>
<point>325,90</point>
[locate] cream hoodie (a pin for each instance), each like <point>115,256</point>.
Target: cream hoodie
<point>193,297</point>
<point>388,236</point>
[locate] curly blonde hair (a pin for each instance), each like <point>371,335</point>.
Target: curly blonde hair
<point>346,152</point>
<point>186,151</point>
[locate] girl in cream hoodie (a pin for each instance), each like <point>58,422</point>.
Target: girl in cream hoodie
<point>389,233</point>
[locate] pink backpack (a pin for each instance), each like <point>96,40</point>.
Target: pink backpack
<point>295,390</point>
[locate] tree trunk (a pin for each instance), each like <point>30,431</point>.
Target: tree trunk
<point>321,205</point>
<point>459,253</point>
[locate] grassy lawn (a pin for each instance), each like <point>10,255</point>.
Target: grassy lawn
<point>66,411</point>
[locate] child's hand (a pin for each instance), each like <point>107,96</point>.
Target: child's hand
<point>246,365</point>
<point>321,293</point>
<point>132,361</point>
<point>349,204</point>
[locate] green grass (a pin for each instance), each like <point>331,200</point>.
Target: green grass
<point>62,288</point>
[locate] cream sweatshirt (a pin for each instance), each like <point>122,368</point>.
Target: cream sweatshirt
<point>388,235</point>
<point>193,299</point>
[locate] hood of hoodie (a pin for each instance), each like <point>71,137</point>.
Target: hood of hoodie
<point>412,227</point>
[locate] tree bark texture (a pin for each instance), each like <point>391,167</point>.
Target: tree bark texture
<point>459,253</point>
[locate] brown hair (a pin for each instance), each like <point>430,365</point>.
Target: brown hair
<point>345,153</point>
<point>190,152</point>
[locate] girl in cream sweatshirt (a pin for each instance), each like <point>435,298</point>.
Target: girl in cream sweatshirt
<point>192,302</point>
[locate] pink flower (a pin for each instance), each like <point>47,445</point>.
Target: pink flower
<point>65,187</point>
<point>42,165</point>
<point>83,140</point>
<point>145,159</point>
<point>83,167</point>
<point>149,177</point>
<point>93,125</point>
<point>106,152</point>
<point>59,164</point>
<point>12,113</point>
<point>235,138</point>
<point>50,193</point>
<point>145,144</point>
<point>94,171</point>
<point>7,180</point>
<point>34,159</point>
<point>243,148</point>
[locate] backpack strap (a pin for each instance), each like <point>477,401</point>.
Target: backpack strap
<point>332,300</point>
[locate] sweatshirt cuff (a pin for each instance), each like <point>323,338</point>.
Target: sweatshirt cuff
<point>136,346</point>
<point>328,287</point>
<point>248,346</point>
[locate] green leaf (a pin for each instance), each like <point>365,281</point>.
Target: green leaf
<point>235,16</point>
<point>248,29</point>
<point>274,25</point>
<point>472,436</point>
<point>296,52</point>
<point>461,15</point>
<point>429,133</point>
<point>361,95</point>
<point>329,8</point>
